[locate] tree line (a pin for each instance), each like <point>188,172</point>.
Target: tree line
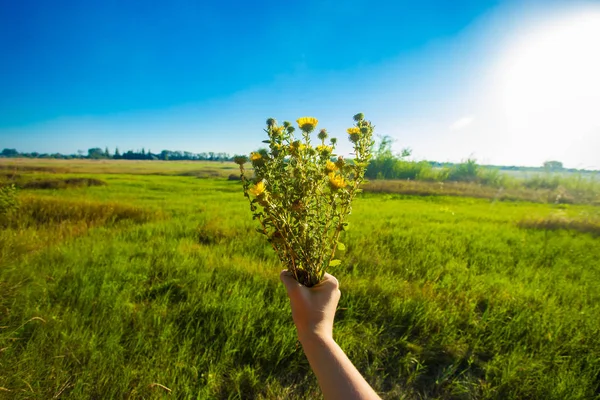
<point>385,164</point>
<point>98,153</point>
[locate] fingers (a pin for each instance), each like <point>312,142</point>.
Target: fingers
<point>329,282</point>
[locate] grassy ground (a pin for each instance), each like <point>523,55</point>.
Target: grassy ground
<point>549,188</point>
<point>154,286</point>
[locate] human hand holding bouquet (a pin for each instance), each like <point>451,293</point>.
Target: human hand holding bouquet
<point>301,194</point>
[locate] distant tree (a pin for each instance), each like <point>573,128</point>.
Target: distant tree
<point>9,153</point>
<point>117,154</point>
<point>106,153</point>
<point>80,153</point>
<point>95,153</point>
<point>553,165</point>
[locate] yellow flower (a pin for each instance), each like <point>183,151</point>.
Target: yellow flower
<point>297,146</point>
<point>255,157</point>
<point>330,167</point>
<point>307,124</point>
<point>258,189</point>
<point>322,148</point>
<point>352,130</point>
<point>336,181</point>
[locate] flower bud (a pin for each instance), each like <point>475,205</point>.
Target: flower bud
<point>322,134</point>
<point>359,117</point>
<point>240,160</point>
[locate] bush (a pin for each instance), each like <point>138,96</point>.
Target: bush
<point>543,182</point>
<point>9,201</point>
<point>491,177</point>
<point>467,171</point>
<point>386,165</point>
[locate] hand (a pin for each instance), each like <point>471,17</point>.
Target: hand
<point>313,309</point>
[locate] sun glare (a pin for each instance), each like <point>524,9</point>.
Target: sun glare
<point>548,79</point>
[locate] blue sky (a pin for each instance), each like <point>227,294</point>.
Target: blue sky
<point>203,76</point>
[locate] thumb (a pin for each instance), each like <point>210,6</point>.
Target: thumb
<point>290,283</point>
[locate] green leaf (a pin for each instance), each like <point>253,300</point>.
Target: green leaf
<point>334,263</point>
<point>341,246</point>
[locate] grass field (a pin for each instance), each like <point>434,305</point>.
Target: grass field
<point>154,284</point>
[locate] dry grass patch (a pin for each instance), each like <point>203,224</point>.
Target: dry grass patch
<point>130,167</point>
<point>471,189</point>
<point>205,173</point>
<point>35,210</point>
<point>584,223</point>
<point>41,222</point>
<point>14,168</point>
<point>214,231</point>
<point>62,183</point>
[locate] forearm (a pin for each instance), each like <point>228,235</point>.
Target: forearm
<point>337,376</point>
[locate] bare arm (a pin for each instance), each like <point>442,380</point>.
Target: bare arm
<point>313,310</point>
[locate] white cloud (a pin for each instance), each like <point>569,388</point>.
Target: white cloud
<point>462,123</point>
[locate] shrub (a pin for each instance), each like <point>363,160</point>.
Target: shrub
<point>546,181</point>
<point>9,202</point>
<point>386,165</point>
<point>467,171</point>
<point>491,177</point>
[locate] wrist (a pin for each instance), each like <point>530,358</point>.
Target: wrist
<point>313,337</point>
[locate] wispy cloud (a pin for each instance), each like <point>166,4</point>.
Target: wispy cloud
<point>462,123</point>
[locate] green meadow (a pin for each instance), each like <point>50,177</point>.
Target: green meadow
<point>147,280</point>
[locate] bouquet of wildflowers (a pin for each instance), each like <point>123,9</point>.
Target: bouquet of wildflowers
<point>301,193</point>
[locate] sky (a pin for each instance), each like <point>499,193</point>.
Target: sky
<point>504,82</point>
